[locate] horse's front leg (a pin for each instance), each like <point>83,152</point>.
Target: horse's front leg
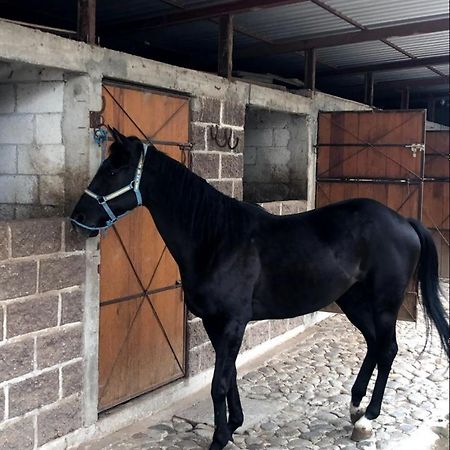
<point>228,339</point>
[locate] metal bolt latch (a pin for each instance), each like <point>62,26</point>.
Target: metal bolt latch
<point>416,148</point>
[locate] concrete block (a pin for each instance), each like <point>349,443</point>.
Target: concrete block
<point>281,137</point>
<point>72,378</point>
<point>205,110</point>
<point>58,347</point>
<point>37,211</point>
<point>32,314</point>
<point>198,136</point>
<point>249,155</point>
<point>51,190</point>
<point>8,159</point>
<point>41,159</point>
<point>224,186</point>
<point>16,129</point>
<point>48,128</point>
<point>4,241</point>
<point>72,306</point>
<point>18,434</point>
<point>205,165</point>
<point>7,98</point>
<point>35,237</point>
<point>16,359</point>
<point>233,114</point>
<point>238,190</point>
<point>18,189</point>
<point>61,272</point>
<point>6,212</point>
<point>17,278</point>
<point>59,420</point>
<point>273,156</point>
<point>33,393</point>
<point>232,165</point>
<point>196,334</point>
<point>44,97</point>
<point>259,138</point>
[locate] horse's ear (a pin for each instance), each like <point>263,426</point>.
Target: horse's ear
<point>118,137</point>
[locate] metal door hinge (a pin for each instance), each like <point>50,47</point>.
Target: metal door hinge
<point>416,148</point>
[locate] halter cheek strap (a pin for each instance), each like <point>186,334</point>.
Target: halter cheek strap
<point>104,199</point>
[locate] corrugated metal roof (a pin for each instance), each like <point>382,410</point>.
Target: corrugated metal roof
<point>422,45</point>
<point>302,19</point>
<point>374,12</point>
<point>356,54</point>
<point>444,68</point>
<point>418,72</point>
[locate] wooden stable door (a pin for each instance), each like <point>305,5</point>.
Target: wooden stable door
<point>373,154</point>
<point>142,315</point>
<point>436,199</point>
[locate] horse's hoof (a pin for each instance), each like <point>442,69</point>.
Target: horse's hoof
<point>362,430</point>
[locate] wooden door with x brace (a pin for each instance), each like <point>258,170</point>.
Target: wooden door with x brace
<point>373,154</point>
<point>142,314</point>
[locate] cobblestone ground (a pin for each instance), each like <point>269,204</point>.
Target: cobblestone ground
<point>312,384</point>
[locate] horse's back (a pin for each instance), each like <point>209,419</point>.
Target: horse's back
<point>320,254</point>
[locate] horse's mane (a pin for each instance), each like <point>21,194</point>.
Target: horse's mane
<point>204,211</point>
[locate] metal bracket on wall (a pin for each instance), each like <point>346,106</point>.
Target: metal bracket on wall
<point>416,148</point>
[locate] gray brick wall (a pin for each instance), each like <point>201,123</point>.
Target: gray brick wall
<point>42,268</point>
<point>32,152</point>
<point>220,165</point>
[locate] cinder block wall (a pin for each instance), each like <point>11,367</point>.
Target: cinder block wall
<point>32,153</point>
<point>212,158</point>
<point>275,157</point>
<point>42,274</point>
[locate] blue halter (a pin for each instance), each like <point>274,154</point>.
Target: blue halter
<point>104,199</point>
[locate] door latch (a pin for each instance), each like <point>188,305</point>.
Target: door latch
<point>416,148</point>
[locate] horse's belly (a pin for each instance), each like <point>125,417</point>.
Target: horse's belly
<point>295,297</point>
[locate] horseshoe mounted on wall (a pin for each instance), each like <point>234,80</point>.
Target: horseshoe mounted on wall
<point>227,138</point>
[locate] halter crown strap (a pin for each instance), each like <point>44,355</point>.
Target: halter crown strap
<point>104,199</point>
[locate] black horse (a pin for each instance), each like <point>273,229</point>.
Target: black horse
<point>239,263</point>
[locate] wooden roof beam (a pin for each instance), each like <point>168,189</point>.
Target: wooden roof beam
<point>352,37</point>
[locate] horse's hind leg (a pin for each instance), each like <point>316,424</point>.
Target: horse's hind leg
<point>356,305</point>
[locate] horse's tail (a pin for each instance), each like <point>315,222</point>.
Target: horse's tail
<point>429,284</point>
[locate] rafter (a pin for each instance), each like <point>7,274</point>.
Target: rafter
<point>197,13</point>
<point>383,67</point>
<point>352,37</point>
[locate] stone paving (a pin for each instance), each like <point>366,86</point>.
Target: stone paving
<point>310,386</point>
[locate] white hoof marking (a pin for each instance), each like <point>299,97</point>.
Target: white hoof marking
<point>364,424</point>
<point>356,412</point>
<point>362,429</point>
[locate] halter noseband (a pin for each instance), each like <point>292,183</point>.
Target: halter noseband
<point>104,199</point>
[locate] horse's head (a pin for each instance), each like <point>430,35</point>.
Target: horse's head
<point>114,190</point>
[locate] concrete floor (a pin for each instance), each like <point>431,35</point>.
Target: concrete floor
<point>298,399</point>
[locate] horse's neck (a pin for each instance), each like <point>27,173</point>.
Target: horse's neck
<point>177,200</point>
